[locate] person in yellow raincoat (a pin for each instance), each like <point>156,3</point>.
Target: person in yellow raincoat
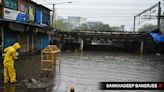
<point>9,59</point>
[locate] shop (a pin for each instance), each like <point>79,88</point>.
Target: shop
<point>32,38</point>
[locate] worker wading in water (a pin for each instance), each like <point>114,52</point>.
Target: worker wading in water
<point>9,60</point>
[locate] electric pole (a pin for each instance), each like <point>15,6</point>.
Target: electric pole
<point>159,14</point>
<point>53,13</point>
<point>134,26</point>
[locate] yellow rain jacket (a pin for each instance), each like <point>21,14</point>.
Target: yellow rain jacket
<point>10,56</point>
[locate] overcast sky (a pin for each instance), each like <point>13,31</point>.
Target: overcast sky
<point>112,12</point>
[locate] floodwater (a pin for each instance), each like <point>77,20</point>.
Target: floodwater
<point>84,71</point>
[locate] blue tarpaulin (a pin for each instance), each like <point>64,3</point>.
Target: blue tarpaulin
<point>157,37</point>
<point>38,16</point>
<point>21,17</point>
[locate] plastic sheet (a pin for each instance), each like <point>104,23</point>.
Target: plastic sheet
<point>157,37</point>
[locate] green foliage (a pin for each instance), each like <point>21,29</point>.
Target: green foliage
<point>115,28</point>
<point>62,25</point>
<point>83,27</point>
<point>147,28</point>
<point>102,27</point>
<point>97,27</point>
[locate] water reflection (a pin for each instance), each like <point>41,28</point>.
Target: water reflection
<point>9,88</point>
<point>18,88</point>
<point>86,69</point>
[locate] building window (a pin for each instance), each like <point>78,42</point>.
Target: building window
<point>31,10</point>
<point>21,6</point>
<point>31,13</point>
<point>26,9</point>
<point>45,18</point>
<point>7,3</point>
<point>12,4</point>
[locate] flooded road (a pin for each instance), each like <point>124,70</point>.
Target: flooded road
<point>84,70</point>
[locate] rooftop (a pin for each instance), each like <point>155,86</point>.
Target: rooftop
<point>40,5</point>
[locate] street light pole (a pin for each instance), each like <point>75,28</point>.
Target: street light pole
<point>54,11</point>
<point>53,14</point>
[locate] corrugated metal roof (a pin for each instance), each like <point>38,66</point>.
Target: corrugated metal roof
<point>40,5</point>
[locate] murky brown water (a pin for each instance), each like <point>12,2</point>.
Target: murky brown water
<point>85,70</point>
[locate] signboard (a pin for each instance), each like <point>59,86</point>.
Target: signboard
<point>0,2</point>
<point>17,27</point>
<point>14,15</point>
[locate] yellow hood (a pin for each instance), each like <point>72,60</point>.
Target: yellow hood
<point>16,46</point>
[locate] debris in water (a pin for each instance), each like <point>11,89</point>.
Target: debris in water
<point>33,81</point>
<point>158,54</point>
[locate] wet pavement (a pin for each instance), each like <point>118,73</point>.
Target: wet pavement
<point>84,70</point>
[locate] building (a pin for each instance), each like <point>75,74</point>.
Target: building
<point>76,21</point>
<point>92,24</point>
<point>83,20</point>
<point>26,22</point>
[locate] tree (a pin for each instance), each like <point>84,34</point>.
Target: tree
<point>102,27</point>
<point>106,27</point>
<point>83,27</point>
<point>115,28</point>
<point>147,28</point>
<point>96,27</point>
<point>62,25</point>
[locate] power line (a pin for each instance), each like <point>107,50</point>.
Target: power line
<point>117,3</point>
<point>109,5</point>
<point>106,17</point>
<point>112,12</point>
<point>99,8</point>
<point>100,3</point>
<point>111,2</point>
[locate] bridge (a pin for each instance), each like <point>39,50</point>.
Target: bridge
<point>111,35</point>
<point>100,38</point>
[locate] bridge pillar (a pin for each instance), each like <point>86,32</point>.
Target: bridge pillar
<point>81,44</point>
<point>142,44</point>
